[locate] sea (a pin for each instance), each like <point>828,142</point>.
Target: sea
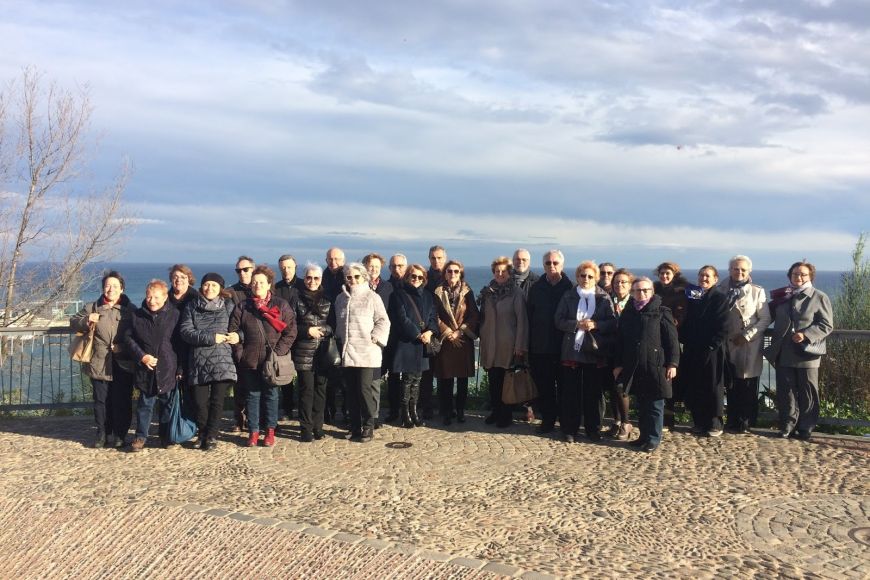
<point>137,275</point>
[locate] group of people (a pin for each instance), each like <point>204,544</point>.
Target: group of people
<point>348,330</point>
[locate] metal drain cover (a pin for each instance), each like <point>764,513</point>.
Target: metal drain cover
<point>860,535</point>
<point>398,445</point>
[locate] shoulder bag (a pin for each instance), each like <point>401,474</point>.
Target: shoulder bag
<point>181,429</point>
<point>278,369</point>
<point>518,386</point>
<point>434,346</point>
<point>81,346</point>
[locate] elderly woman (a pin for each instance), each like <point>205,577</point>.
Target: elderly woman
<point>504,335</point>
<point>210,369</point>
<point>703,335</point>
<point>458,321</point>
<point>646,358</point>
<point>152,339</point>
<point>585,316</point>
<point>266,323</point>
<point>671,286</point>
<point>802,320</point>
<point>619,401</point>
<point>362,329</point>
<point>413,323</point>
<point>748,317</point>
<point>182,283</point>
<point>311,352</point>
<point>110,369</point>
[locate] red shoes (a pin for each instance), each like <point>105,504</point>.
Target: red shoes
<point>269,439</point>
<point>253,438</point>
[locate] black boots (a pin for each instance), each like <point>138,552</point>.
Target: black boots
<point>405,417</point>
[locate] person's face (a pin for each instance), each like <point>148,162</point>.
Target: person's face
<point>354,278</point>
<point>334,259</point>
<point>553,266</point>
<point>210,290</point>
<point>288,269</point>
<point>180,281</point>
<point>453,274</point>
<point>621,285</point>
<point>155,298</point>
<point>707,278</point>
<point>244,269</point>
<point>398,267</point>
<point>642,290</point>
<point>666,275</point>
<point>800,275</point>
<point>260,285</point>
<point>586,278</point>
<point>502,274</point>
<point>112,289</point>
<point>312,280</point>
<point>607,276</point>
<point>521,261</point>
<point>415,278</point>
<point>437,259</point>
<point>374,268</point>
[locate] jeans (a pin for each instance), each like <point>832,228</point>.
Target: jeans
<point>144,410</point>
<point>113,403</point>
<point>651,414</point>
<point>209,399</point>
<point>260,397</point>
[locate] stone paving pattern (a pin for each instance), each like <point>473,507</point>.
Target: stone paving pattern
<point>465,501</point>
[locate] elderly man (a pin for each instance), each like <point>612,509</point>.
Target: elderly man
<point>607,270</point>
<point>288,289</point>
<point>244,270</point>
<point>522,274</point>
<point>398,266</point>
<point>333,280</point>
<point>437,259</point>
<point>545,340</point>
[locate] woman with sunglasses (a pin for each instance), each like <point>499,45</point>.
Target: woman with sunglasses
<point>362,329</point>
<point>585,316</point>
<point>414,323</point>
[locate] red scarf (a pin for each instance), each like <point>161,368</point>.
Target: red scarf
<point>272,315</point>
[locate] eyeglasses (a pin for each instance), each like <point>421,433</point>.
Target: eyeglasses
<point>353,277</point>
<point>623,282</point>
<point>312,277</point>
<point>586,276</point>
<point>452,271</point>
<point>552,263</point>
<point>240,270</point>
<point>415,277</point>
<point>606,273</point>
<point>644,290</point>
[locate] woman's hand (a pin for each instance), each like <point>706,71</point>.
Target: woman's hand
<point>426,337</point>
<point>220,338</point>
<point>94,317</point>
<point>149,361</point>
<point>233,337</point>
<point>586,324</point>
<point>670,373</point>
<point>616,372</point>
<point>798,337</point>
<point>315,332</point>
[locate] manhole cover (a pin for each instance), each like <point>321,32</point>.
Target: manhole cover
<point>860,535</point>
<point>398,445</point>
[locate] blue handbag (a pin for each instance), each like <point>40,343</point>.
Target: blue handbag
<point>181,429</point>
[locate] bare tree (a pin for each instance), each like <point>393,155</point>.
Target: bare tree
<point>52,221</point>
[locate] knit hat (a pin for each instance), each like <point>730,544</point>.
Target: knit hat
<point>213,277</point>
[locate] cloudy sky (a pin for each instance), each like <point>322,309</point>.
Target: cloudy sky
<point>634,131</point>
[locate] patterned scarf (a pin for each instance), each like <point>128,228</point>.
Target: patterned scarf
<point>735,289</point>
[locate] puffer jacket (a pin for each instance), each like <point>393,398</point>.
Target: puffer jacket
<point>208,361</point>
<point>362,327</point>
<point>312,311</point>
<point>155,333</point>
<point>108,337</point>
<point>251,352</point>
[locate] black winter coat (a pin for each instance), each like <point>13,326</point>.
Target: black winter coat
<point>543,298</point>
<point>312,311</point>
<point>703,335</point>
<point>385,291</point>
<point>332,283</point>
<point>565,319</point>
<point>247,320</point>
<point>155,333</point>
<point>288,290</point>
<point>646,344</point>
<point>406,349</point>
<point>207,361</point>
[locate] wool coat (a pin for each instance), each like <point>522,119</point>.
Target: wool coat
<point>646,345</point>
<point>543,298</point>
<point>313,310</point>
<point>809,312</point>
<point>565,319</point>
<point>504,329</point>
<point>456,360</point>
<point>109,344</point>
<point>207,361</point>
<point>407,352</point>
<point>250,353</point>
<point>748,317</point>
<point>155,333</point>
<point>362,327</point>
<point>703,335</point>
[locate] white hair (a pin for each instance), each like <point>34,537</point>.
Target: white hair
<point>356,267</point>
<point>740,258</point>
<point>310,267</point>
<point>556,252</point>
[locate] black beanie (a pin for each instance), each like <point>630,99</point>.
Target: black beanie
<point>212,277</point>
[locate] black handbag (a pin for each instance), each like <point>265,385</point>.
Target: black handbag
<point>278,369</point>
<point>434,347</point>
<point>328,355</point>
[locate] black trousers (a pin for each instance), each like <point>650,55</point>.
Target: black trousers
<point>427,386</point>
<point>544,369</point>
<point>287,398</point>
<point>581,397</point>
<point>312,400</point>
<point>445,395</point>
<point>394,393</point>
<point>335,384</point>
<point>113,403</point>
<point>209,405</point>
<point>500,411</point>
<point>742,397</point>
<point>360,397</point>
<point>240,399</point>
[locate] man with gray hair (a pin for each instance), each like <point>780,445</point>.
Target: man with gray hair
<point>398,266</point>
<point>333,275</point>
<point>522,274</point>
<point>288,289</point>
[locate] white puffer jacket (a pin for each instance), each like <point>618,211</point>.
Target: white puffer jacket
<point>362,326</point>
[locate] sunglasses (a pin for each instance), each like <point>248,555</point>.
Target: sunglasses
<point>312,277</point>
<point>586,276</point>
<point>415,277</point>
<point>353,277</point>
<point>452,271</point>
<point>552,263</point>
<point>240,270</point>
<point>643,290</point>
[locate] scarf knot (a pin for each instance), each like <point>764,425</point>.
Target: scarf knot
<point>271,315</point>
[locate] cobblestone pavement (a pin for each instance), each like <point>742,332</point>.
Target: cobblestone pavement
<point>466,501</point>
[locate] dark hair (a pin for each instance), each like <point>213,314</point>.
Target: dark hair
<point>672,266</point>
<point>112,274</point>
<point>422,270</point>
<point>624,272</point>
<point>709,267</point>
<point>436,248</point>
<point>809,267</point>
<point>266,271</point>
<point>240,258</point>
<point>284,258</point>
<point>184,269</point>
<point>602,264</point>
<point>373,256</point>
